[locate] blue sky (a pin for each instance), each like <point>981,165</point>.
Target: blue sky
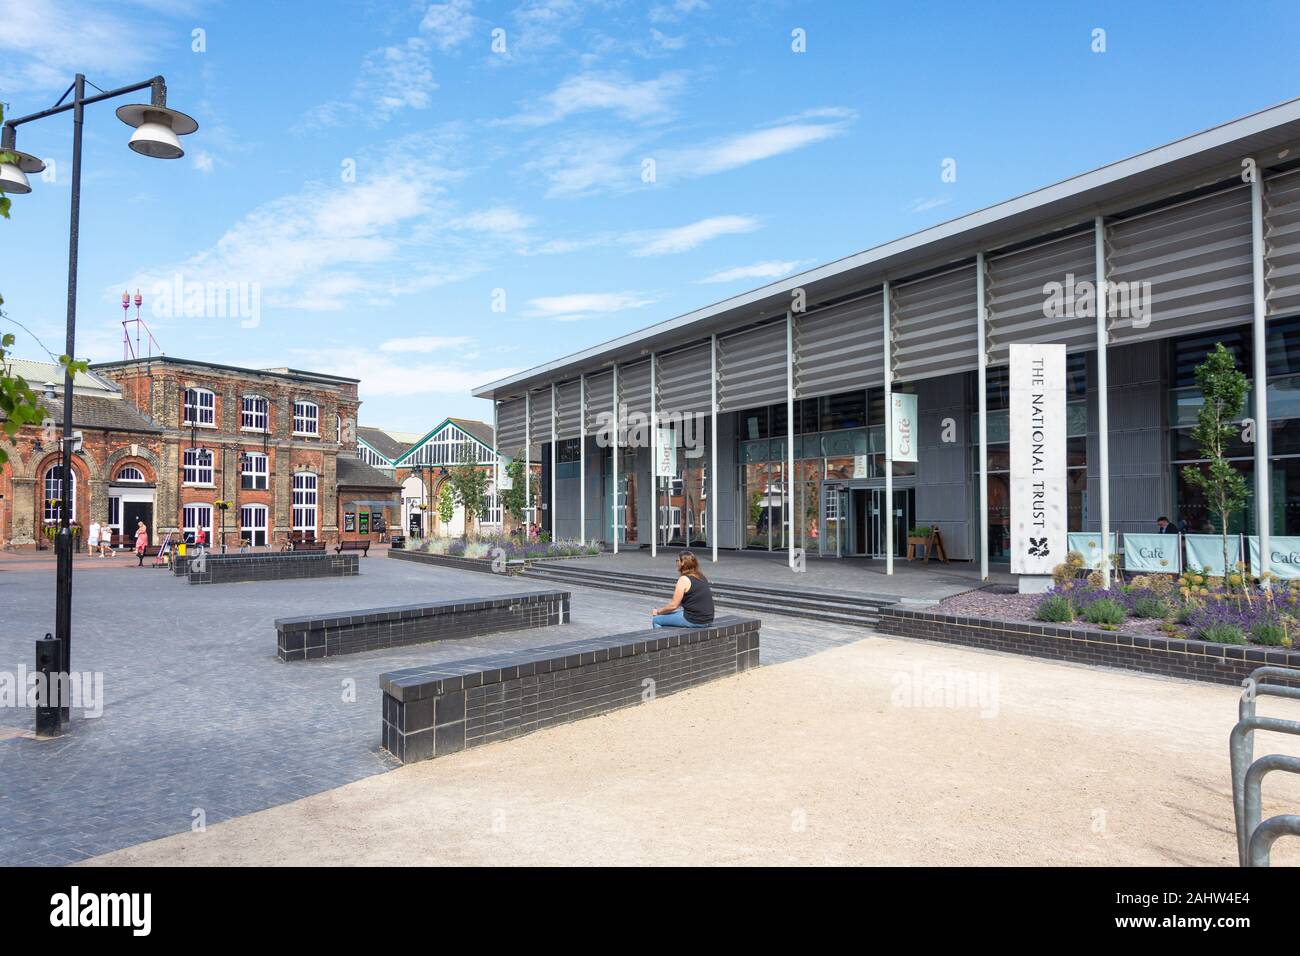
<point>486,176</point>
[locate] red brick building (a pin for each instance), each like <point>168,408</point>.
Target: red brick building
<point>169,440</point>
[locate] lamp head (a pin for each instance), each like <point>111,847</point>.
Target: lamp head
<point>157,129</point>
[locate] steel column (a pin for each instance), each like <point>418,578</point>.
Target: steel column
<point>788,511</point>
<point>1103,395</point>
<point>886,310</point>
<point>614,454</point>
<point>555,531</point>
<point>982,416</point>
<point>654,458</point>
<point>528,462</point>
<point>713,440</point>
<point>1263,506</point>
<point>582,459</point>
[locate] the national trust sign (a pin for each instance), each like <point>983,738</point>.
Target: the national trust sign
<point>1039,499</point>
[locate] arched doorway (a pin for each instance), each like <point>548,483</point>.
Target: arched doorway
<point>413,494</point>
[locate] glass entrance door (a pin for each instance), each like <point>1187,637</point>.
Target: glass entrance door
<point>904,505</point>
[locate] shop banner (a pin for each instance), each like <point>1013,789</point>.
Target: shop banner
<point>905,426</point>
<point>1039,502</point>
<point>1160,553</point>
<point>666,454</point>
<point>1283,557</point>
<point>504,481</point>
<point>1205,552</point>
<point>1088,544</point>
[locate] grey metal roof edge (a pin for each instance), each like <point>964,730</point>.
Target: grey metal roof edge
<point>1040,199</point>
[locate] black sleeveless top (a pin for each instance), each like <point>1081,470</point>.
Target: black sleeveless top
<point>698,602</point>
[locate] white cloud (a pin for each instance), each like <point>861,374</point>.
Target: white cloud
<point>670,12</point>
<point>745,148</point>
<point>44,43</point>
<point>587,164</point>
<point>498,219</point>
<point>449,24</point>
<point>392,78</point>
<point>203,161</point>
<point>771,269</point>
<point>642,100</point>
<point>582,165</point>
<point>386,375</point>
<point>424,343</point>
<point>683,238</point>
<point>326,248</point>
<point>584,305</point>
<point>667,42</point>
<point>933,202</point>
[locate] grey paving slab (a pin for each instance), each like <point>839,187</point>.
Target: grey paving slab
<point>199,715</point>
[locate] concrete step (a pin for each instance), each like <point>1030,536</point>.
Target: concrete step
<point>557,571</point>
<point>852,614</point>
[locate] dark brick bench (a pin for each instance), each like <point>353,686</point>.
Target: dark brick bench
<point>444,708</point>
<point>352,632</point>
<point>271,566</point>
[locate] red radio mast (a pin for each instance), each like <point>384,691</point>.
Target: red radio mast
<point>131,349</point>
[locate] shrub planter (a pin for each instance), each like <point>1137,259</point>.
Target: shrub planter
<point>451,561</point>
<point>1167,656</point>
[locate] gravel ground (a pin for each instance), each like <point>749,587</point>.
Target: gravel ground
<point>1019,607</point>
<point>843,757</point>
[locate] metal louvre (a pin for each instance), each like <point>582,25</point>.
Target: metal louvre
<point>840,349</point>
<point>1196,255</point>
<point>510,428</point>
<point>1282,244</point>
<point>600,400</point>
<point>539,417</point>
<point>752,367</point>
<point>567,409</point>
<point>1016,295</point>
<point>684,380</point>
<point>634,387</point>
<point>934,325</point>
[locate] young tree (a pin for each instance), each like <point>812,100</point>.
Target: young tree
<point>513,499</point>
<point>469,483</point>
<point>446,506</point>
<point>1223,396</point>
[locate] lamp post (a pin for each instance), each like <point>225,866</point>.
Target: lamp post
<point>157,132</point>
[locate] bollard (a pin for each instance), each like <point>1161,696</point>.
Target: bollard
<point>49,654</point>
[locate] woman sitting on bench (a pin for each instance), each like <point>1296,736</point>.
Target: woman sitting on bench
<point>692,603</point>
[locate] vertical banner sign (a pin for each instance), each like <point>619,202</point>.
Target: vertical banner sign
<point>504,481</point>
<point>666,465</point>
<point>1038,462</point>
<point>905,426</point>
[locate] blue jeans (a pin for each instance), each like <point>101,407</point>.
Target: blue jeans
<point>676,618</point>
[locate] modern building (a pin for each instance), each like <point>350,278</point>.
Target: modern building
<point>776,397</point>
<point>168,441</point>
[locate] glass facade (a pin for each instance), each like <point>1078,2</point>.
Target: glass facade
<point>1192,510</point>
<point>838,438</point>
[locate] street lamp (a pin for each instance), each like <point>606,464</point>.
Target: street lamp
<point>157,132</point>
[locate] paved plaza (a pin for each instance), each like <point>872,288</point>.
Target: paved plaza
<point>199,714</point>
<point>837,750</point>
<point>836,758</point>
